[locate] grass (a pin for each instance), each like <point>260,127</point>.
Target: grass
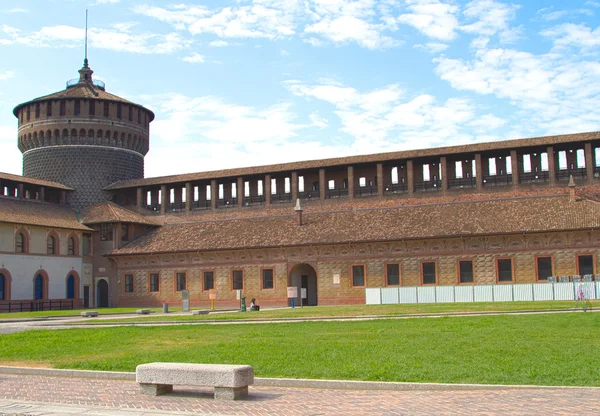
<point>360,310</point>
<point>75,312</point>
<point>506,349</point>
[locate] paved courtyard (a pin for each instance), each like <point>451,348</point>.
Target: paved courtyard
<point>44,395</point>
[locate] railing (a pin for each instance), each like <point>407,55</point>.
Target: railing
<point>281,198</point>
<point>153,208</point>
<point>309,195</point>
<point>35,306</point>
<point>396,188</point>
<point>462,183</point>
<point>367,191</point>
<point>497,180</point>
<point>176,206</point>
<point>198,205</point>
<point>563,175</point>
<point>254,200</point>
<point>96,83</point>
<point>531,177</point>
<point>337,193</point>
<point>227,203</point>
<point>428,186</point>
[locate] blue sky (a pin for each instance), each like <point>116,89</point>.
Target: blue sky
<point>248,82</point>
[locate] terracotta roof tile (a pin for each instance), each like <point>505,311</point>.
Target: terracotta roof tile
<point>353,160</point>
<point>33,181</point>
<point>109,212</point>
<point>22,211</point>
<point>516,215</point>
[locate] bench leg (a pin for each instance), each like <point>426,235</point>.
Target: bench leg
<point>156,389</point>
<point>231,393</point>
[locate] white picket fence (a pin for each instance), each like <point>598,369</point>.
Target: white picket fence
<point>483,293</point>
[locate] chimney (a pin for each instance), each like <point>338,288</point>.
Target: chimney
<point>571,189</point>
<point>298,210</point>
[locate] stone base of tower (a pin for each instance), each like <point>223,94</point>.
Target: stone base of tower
<point>86,169</point>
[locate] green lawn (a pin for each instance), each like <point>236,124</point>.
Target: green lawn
<point>552,349</point>
<point>76,312</point>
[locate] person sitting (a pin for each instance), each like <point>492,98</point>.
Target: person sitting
<point>254,306</point>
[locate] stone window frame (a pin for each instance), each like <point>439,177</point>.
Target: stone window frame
<point>241,269</point>
<point>204,289</point>
<point>594,265</point>
<point>53,235</point>
<point>465,259</point>
<point>126,286</point>
<point>262,278</point>
<point>176,280</point>
<point>7,284</point>
<point>26,238</point>
<point>150,274</point>
<point>552,264</point>
<point>422,275</point>
<point>387,283</point>
<point>364,266</point>
<point>76,244</point>
<point>512,270</point>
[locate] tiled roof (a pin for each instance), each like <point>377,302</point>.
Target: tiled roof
<point>22,211</point>
<point>32,181</point>
<point>109,212</point>
<point>354,160</point>
<point>516,215</point>
<point>82,91</point>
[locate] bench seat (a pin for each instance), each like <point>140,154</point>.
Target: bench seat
<point>230,382</point>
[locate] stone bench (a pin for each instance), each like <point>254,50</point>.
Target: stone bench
<point>230,382</point>
<point>143,311</point>
<point>89,314</point>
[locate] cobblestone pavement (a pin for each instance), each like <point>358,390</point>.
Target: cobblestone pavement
<point>22,394</point>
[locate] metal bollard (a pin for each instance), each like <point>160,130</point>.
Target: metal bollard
<point>165,307</point>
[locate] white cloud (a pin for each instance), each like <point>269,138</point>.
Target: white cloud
<point>345,29</point>
<point>434,18</point>
<point>489,17</point>
<point>194,58</point>
<point>218,43</point>
<point>98,2</point>
<point>432,47</point>
<point>318,121</point>
<point>487,122</point>
<point>17,10</point>
<point>6,75</point>
<point>578,35</point>
<point>11,156</point>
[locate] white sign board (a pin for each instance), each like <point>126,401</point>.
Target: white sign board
<point>292,292</point>
<point>303,293</point>
<point>336,278</point>
<point>238,294</point>
<point>212,294</point>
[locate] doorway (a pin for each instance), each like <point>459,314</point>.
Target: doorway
<point>304,276</point>
<point>86,296</point>
<point>102,294</point>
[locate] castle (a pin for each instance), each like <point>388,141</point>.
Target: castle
<point>83,224</point>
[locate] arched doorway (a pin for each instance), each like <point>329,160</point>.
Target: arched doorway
<point>304,276</point>
<point>102,294</point>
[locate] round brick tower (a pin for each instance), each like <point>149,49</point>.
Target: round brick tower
<point>83,137</point>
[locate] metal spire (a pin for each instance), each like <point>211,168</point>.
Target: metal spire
<point>85,61</point>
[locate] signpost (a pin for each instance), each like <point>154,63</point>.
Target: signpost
<point>185,300</point>
<point>292,293</point>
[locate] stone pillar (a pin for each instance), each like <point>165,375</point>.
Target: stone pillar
<point>139,197</point>
<point>294,186</point>
<point>213,194</point>
<point>20,191</point>
<point>515,167</point>
<point>444,173</point>
<point>350,181</point>
<point>239,191</point>
<point>163,199</point>
<point>589,162</point>
<point>478,172</point>
<point>380,179</point>
<point>42,193</point>
<point>410,176</point>
<point>551,166</point>
<point>116,236</point>
<point>322,184</point>
<point>267,190</point>
<point>188,197</point>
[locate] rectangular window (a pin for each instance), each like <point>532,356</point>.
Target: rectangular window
<point>238,279</point>
<point>77,107</point>
<point>392,274</point>
<point>37,110</point>
<point>92,107</point>
<point>62,108</point>
<point>118,110</point>
<point>428,274</point>
<point>128,283</point>
<point>124,232</point>
<point>208,281</point>
<point>181,281</point>
<point>465,270</point>
<point>154,282</point>
<point>267,279</point>
<point>544,267</point>
<point>504,267</point>
<point>49,109</point>
<point>585,265</point>
<point>358,275</point>
<point>106,232</point>
<point>86,245</point>
<point>105,109</point>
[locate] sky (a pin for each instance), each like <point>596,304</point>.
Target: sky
<point>253,82</point>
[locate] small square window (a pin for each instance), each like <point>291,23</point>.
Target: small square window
<point>181,281</point>
<point>465,271</point>
<point>393,274</point>
<point>428,273</point>
<point>544,268</point>
<point>154,282</point>
<point>267,278</point>
<point>128,283</point>
<point>504,270</point>
<point>358,275</point>
<point>209,281</point>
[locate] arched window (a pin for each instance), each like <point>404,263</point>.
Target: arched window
<point>72,249</point>
<point>71,287</point>
<point>51,245</point>
<point>2,287</point>
<point>38,290</point>
<point>20,246</point>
